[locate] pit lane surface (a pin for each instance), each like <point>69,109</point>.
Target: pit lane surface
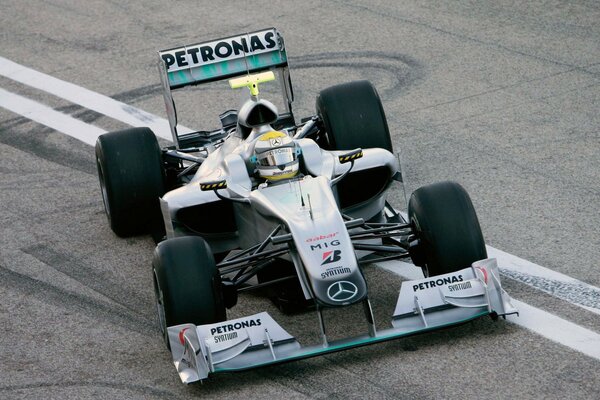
<point>501,98</point>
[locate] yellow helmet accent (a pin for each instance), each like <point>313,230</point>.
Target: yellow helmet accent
<point>271,135</point>
<point>288,175</point>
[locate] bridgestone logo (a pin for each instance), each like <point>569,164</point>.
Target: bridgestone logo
<point>437,282</point>
<point>331,257</point>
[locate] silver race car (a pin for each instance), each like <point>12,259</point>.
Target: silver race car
<point>293,210</point>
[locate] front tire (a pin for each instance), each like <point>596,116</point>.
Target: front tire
<point>447,228</point>
<point>353,117</point>
<point>187,284</point>
<point>131,174</point>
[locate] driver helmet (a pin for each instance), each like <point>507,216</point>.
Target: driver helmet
<point>276,156</point>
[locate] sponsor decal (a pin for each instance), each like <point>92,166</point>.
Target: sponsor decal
<point>484,272</point>
<point>459,286</point>
<point>324,245</point>
<point>225,337</point>
<point>437,282</point>
<point>181,332</point>
<point>275,142</point>
<point>235,326</point>
<point>335,271</point>
<point>342,291</point>
<point>221,50</point>
<point>331,256</point>
<point>321,237</point>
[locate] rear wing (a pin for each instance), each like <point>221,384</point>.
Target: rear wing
<point>219,60</point>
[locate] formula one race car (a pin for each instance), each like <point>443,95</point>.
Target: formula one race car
<point>263,202</point>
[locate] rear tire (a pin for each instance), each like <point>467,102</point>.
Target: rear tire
<point>187,284</point>
<point>353,117</point>
<point>131,174</point>
<point>447,228</point>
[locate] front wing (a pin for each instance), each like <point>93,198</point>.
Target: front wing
<point>257,340</point>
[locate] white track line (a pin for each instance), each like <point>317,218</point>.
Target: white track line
<point>404,269</point>
<point>47,116</point>
<point>556,329</point>
<point>554,283</point>
<point>86,98</point>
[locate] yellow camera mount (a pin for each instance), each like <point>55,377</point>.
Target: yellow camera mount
<point>252,81</point>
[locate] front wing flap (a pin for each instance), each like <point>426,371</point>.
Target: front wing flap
<point>257,340</point>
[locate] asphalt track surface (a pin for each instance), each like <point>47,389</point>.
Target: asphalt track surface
<point>502,98</point>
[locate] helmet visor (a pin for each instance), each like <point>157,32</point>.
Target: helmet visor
<point>276,157</point>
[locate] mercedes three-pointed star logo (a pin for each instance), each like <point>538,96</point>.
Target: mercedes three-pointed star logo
<point>342,291</point>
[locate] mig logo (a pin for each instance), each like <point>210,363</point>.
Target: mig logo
<point>331,256</point>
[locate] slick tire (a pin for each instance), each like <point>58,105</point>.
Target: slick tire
<point>447,228</point>
<point>131,175</point>
<point>353,117</point>
<point>187,284</point>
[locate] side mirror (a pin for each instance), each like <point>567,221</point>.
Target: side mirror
<point>214,185</point>
<point>350,156</point>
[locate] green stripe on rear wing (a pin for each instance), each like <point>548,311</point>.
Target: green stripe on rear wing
<point>223,58</point>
